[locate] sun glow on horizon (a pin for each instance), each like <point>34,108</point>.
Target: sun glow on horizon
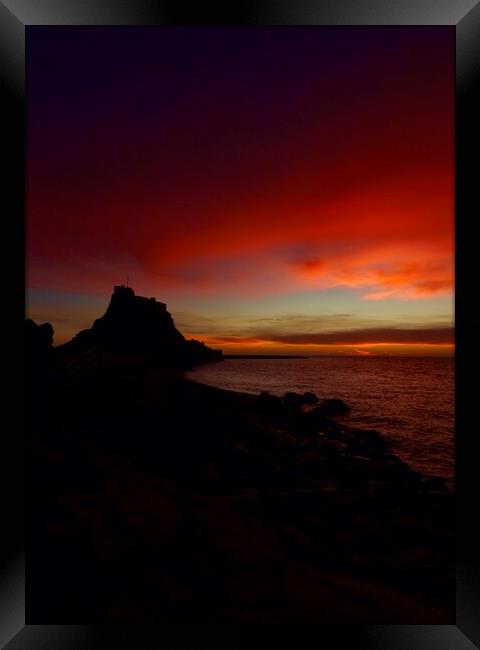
<point>237,345</point>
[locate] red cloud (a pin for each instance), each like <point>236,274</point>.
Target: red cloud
<point>361,174</point>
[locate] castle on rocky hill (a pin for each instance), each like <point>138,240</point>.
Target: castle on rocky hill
<point>137,325</point>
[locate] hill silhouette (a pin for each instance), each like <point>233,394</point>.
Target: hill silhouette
<point>138,326</point>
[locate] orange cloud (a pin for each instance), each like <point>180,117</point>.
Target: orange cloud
<point>384,272</point>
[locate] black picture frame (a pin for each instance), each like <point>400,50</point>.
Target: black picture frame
<point>16,16</point>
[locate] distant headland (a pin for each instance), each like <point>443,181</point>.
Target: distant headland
<point>263,356</point>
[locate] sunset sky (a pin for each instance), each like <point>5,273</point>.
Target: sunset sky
<point>283,190</point>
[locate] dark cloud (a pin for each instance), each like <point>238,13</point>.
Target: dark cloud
<point>389,335</point>
<point>438,335</point>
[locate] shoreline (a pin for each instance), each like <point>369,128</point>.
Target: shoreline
<point>342,424</point>
<point>415,419</point>
<point>227,506</point>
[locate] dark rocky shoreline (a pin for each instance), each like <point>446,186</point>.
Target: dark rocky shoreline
<point>152,498</point>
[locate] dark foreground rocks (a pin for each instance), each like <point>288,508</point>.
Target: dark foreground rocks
<point>154,499</point>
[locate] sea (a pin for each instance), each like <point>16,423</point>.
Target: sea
<point>409,400</point>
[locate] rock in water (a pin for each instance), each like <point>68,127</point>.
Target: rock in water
<point>334,407</point>
<point>268,403</point>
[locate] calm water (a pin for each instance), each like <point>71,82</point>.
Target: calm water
<point>409,400</point>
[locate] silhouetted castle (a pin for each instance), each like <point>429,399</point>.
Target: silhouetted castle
<point>136,325</point>
<point>135,319</point>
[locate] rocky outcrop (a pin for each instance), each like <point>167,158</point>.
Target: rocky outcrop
<point>39,355</point>
<point>38,338</point>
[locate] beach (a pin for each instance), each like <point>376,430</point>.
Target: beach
<point>154,498</point>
